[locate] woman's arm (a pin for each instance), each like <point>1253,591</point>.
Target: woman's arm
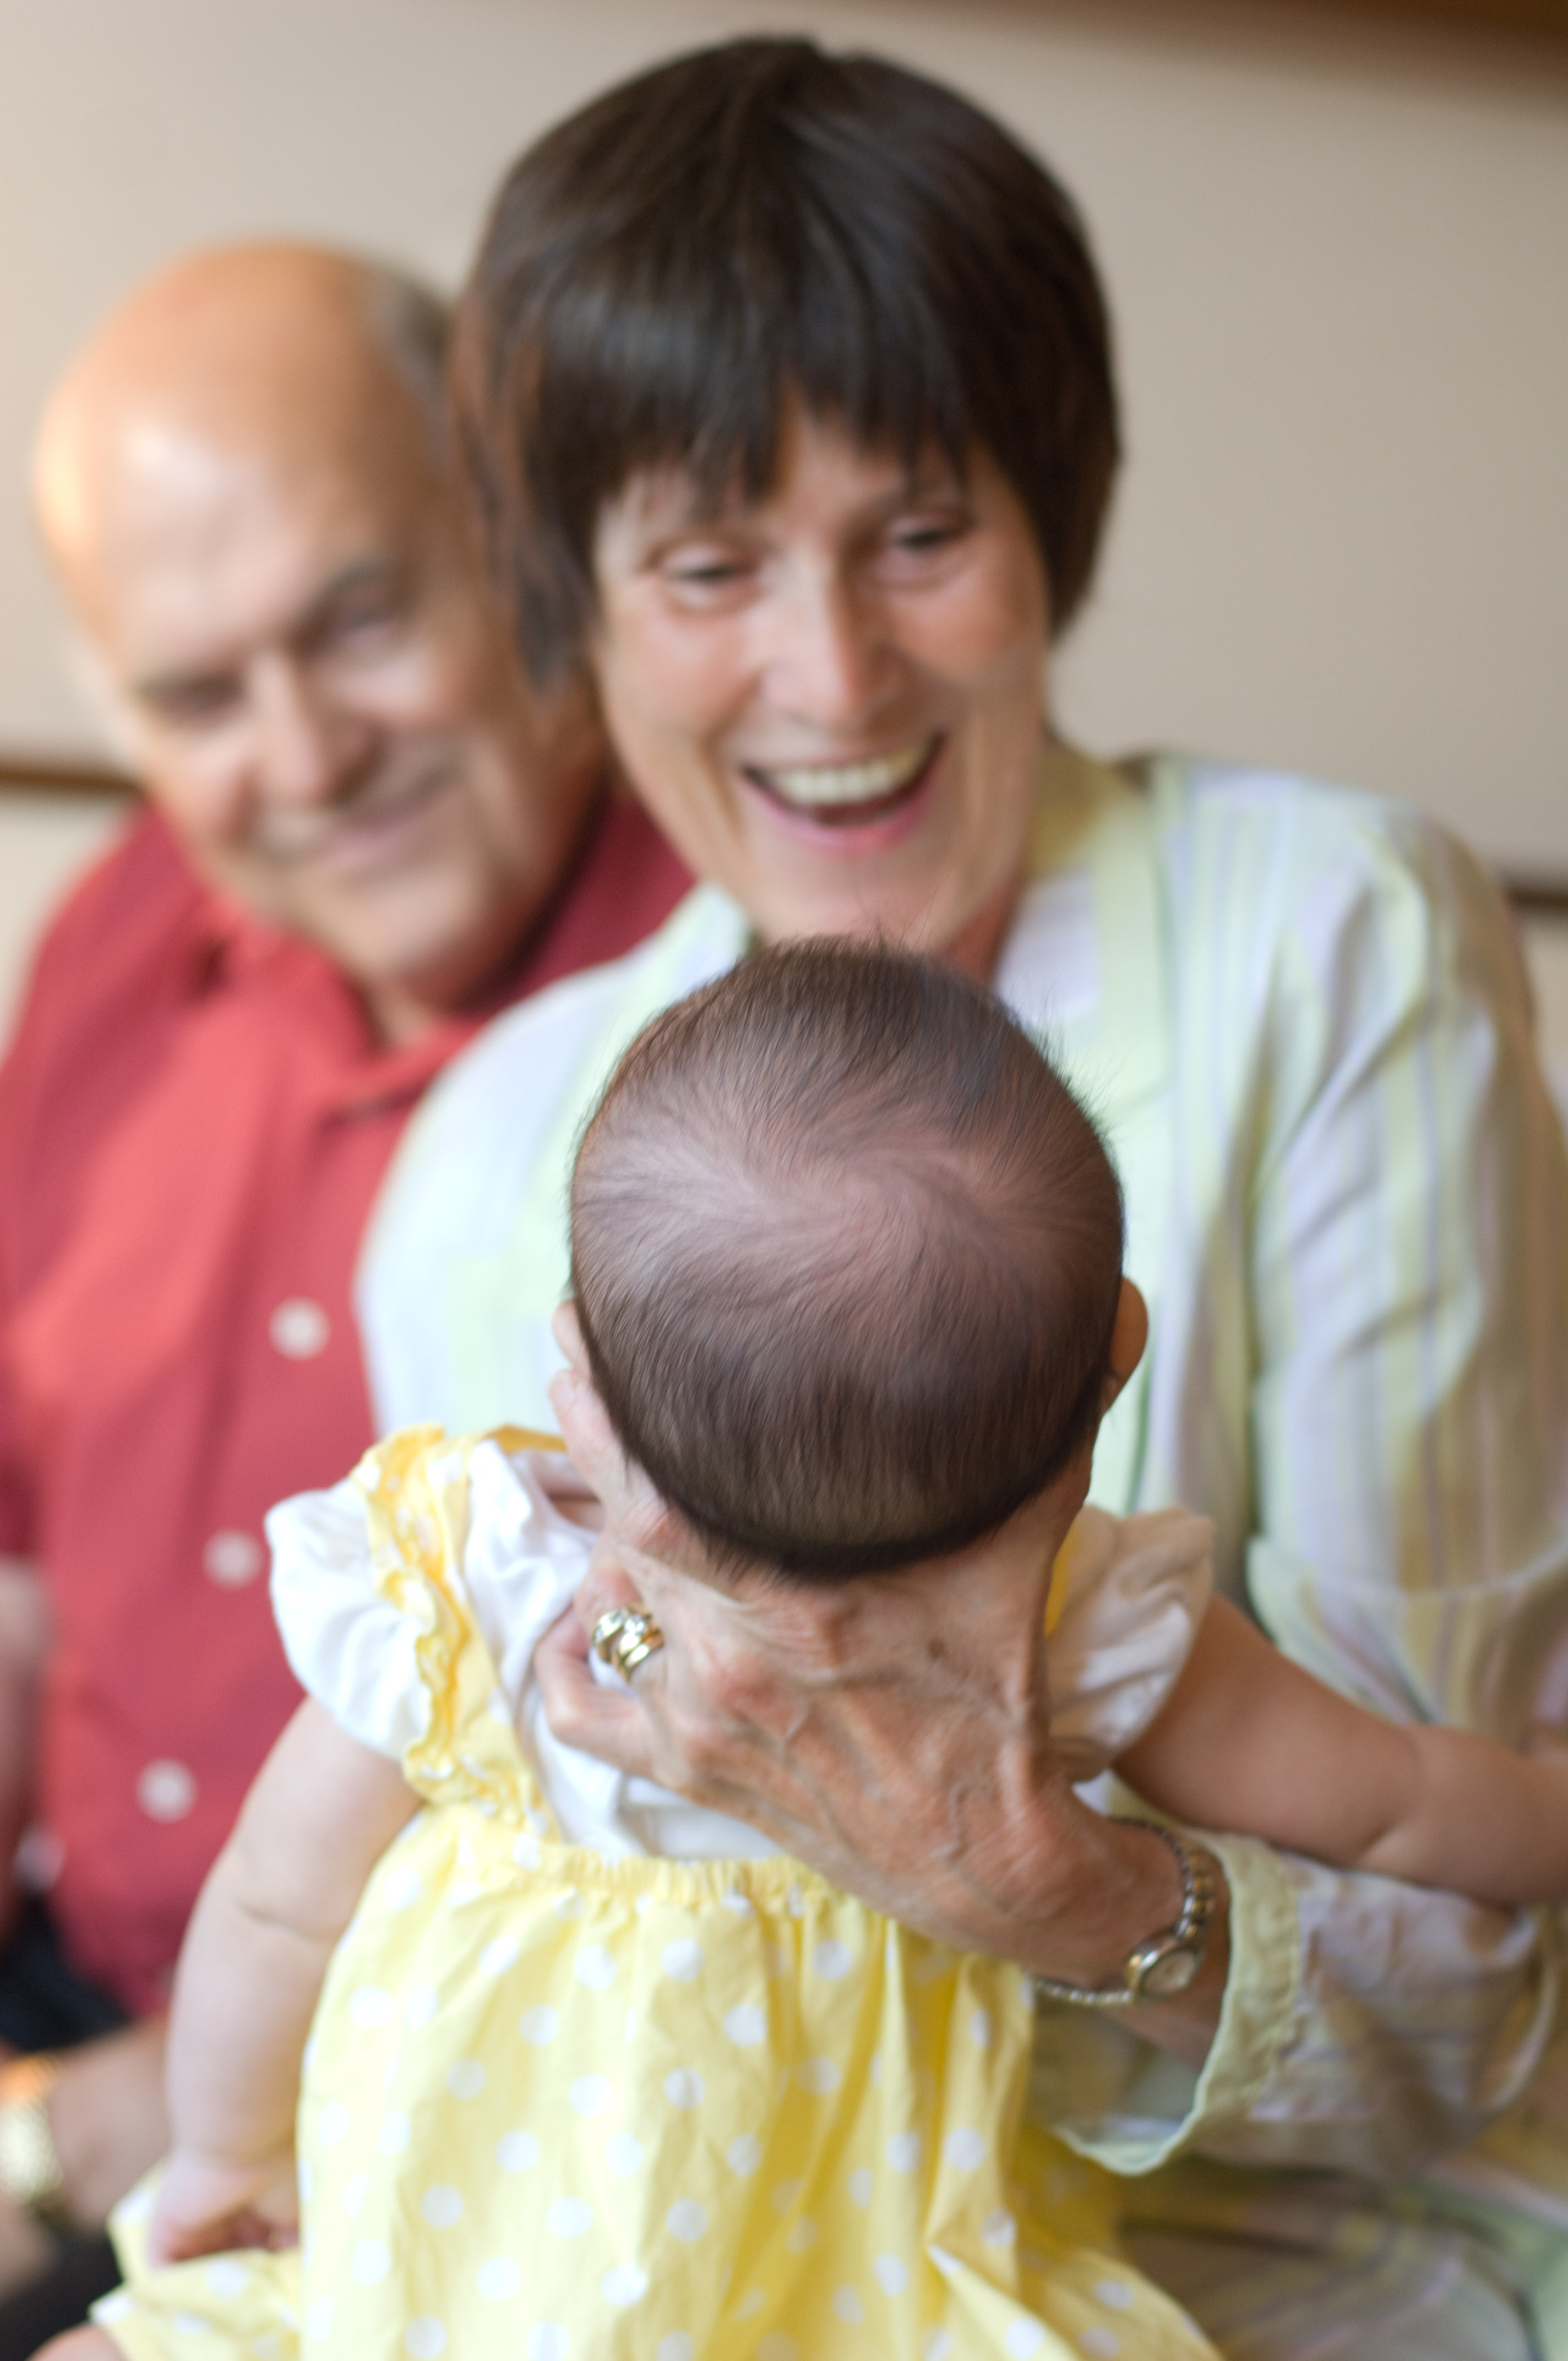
<point>1251,1742</point>
<point>322,1812</point>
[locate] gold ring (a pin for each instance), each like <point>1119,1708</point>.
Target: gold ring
<point>626,1637</point>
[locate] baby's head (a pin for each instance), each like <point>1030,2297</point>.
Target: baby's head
<point>846,1256</point>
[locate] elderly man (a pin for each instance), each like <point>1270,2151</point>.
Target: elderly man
<point>363,837</point>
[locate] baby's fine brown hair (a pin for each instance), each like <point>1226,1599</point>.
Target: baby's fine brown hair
<point>847,1256</point>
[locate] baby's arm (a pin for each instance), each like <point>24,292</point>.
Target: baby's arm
<point>1249,1742</point>
<point>322,1812</point>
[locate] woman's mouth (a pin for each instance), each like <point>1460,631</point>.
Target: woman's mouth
<point>848,794</point>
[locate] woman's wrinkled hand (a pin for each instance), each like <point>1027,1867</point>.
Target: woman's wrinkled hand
<point>892,1731</point>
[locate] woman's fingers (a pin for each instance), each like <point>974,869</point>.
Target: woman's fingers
<point>605,1722</point>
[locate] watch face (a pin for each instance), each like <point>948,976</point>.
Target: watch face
<point>1170,1974</point>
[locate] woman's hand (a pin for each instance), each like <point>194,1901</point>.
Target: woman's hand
<point>893,1731</point>
<point>209,2204</point>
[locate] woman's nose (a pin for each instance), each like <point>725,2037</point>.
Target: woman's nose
<point>825,660</point>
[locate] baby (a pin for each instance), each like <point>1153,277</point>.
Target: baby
<point>591,2071</point>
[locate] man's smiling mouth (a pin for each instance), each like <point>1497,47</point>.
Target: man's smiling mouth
<point>848,794</point>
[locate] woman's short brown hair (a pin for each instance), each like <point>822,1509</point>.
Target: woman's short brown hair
<point>661,272</point>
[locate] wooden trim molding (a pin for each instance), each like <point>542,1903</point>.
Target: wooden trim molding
<point>1535,894</point>
<point>47,774</point>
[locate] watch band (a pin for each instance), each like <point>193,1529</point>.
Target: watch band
<point>31,2173</point>
<point>1179,1952</point>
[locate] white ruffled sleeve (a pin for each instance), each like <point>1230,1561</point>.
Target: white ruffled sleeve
<point>1127,1596</point>
<point>349,1647</point>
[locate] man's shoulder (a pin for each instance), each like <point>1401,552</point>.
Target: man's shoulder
<point>139,904</point>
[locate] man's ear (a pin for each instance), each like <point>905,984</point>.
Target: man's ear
<point>1128,1338</point>
<point>567,1329</point>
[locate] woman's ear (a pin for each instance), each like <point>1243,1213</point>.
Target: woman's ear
<point>1128,1338</point>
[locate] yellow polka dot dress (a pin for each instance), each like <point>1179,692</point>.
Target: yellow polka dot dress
<point>558,2107</point>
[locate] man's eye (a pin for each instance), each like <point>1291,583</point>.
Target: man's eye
<point>191,704</point>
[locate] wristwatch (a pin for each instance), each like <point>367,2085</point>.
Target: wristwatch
<point>30,2174</point>
<point>1167,1963</point>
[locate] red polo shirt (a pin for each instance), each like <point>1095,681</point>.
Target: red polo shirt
<point>195,1117</point>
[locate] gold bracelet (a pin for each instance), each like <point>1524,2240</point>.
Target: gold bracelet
<point>30,2171</point>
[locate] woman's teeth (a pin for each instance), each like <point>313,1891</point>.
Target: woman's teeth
<point>820,784</point>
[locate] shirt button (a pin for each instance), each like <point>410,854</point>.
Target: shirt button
<point>299,1328</point>
<point>233,1559</point>
<point>166,1791</point>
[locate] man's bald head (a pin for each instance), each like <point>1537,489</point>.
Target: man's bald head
<point>243,480</point>
<point>276,355</point>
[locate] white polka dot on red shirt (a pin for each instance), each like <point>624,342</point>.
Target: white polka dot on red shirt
<point>233,1559</point>
<point>299,1328</point>
<point>166,1791</point>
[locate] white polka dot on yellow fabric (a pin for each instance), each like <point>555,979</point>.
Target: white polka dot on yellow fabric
<point>1101,2343</point>
<point>370,2262</point>
<point>332,2124</point>
<point>624,2284</point>
<point>547,2341</point>
<point>570,1905</point>
<point>595,1967</point>
<point>590,2094</point>
<point>819,2076</point>
<point>677,2347</point>
<point>860,2184</point>
<point>746,2026</point>
<point>424,2337</point>
<point>801,2236</point>
<point>465,2078</point>
<point>497,1957</point>
<point>741,1904</point>
<point>744,2154</point>
<point>777,2347</point>
<point>686,2220</point>
<point>784,2194</point>
<point>498,2280</point>
<point>393,2136</point>
<point>682,1960</point>
<point>964,2149</point>
<point>999,2228</point>
<point>683,2087</point>
<point>937,2346</point>
<point>354,2193</point>
<point>516,2151</point>
<point>190,2324</point>
<point>903,2151</point>
<point>751,2304</point>
<point>539,2026</point>
<point>1023,2339</point>
<point>831,1960</point>
<point>1115,2293</point>
<point>371,2007</point>
<point>228,2277</point>
<point>420,2005</point>
<point>848,2307</point>
<point>980,2028</point>
<point>441,2206</point>
<point>892,2274</point>
<point>623,2155</point>
<point>571,2217</point>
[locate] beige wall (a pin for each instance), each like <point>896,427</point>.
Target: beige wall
<point>1337,257</point>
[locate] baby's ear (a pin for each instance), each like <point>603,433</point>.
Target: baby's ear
<point>1128,1338</point>
<point>567,1329</point>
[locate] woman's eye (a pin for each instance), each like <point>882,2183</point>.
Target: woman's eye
<point>921,538</point>
<point>706,571</point>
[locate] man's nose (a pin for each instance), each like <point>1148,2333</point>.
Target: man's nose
<point>308,746</point>
<point>825,660</point>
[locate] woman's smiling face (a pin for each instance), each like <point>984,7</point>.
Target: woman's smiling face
<point>832,698</point>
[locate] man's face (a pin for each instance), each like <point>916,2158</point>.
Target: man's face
<point>323,704</point>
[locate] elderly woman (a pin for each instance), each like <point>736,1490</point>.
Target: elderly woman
<point>785,383</point>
